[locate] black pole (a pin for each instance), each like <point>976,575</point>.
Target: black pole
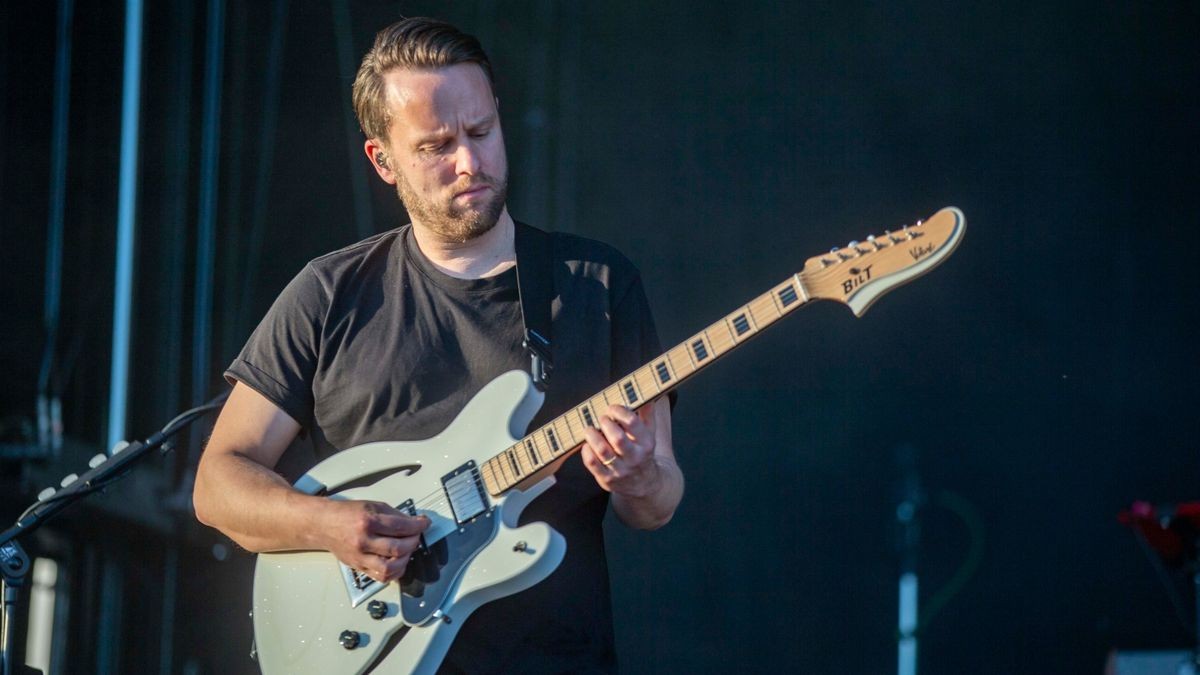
<point>49,407</point>
<point>1196,591</point>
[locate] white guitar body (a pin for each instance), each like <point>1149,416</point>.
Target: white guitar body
<point>307,603</point>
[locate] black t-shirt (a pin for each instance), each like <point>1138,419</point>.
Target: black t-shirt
<point>373,343</point>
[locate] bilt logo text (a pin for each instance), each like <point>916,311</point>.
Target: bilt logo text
<point>860,277</point>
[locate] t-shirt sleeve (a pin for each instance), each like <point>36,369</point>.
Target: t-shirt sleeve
<point>280,359</point>
<point>634,336</point>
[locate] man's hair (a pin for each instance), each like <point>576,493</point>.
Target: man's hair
<point>417,43</point>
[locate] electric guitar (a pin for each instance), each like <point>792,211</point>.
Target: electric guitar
<point>313,614</point>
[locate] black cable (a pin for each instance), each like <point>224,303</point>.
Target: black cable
<point>970,517</point>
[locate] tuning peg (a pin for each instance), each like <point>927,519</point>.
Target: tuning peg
<point>68,479</point>
<point>827,262</point>
<point>852,244</point>
<point>118,447</point>
<point>97,460</point>
<point>46,494</point>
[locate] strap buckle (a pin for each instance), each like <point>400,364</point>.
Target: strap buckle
<point>540,363</point>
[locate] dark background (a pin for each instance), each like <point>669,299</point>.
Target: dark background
<point>1044,374</point>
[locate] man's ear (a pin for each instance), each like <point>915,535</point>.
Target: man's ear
<point>380,159</point>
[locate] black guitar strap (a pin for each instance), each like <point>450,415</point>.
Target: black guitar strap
<point>535,290</point>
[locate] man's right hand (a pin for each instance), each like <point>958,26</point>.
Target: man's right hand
<point>238,492</point>
<point>372,537</point>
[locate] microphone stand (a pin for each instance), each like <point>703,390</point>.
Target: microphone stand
<point>105,469</point>
<point>910,500</point>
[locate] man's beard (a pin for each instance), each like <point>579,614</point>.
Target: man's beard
<point>450,221</point>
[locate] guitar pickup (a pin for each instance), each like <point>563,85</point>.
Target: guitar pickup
<point>464,491</point>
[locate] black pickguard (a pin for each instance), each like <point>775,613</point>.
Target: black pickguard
<point>432,570</point>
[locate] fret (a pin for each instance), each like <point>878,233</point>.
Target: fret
<point>720,337</point>
<point>612,394</point>
<point>543,447</point>
<point>598,409</point>
<point>787,296</point>
<point>699,350</point>
<point>489,478</point>
<point>585,413</point>
<point>791,296</point>
<point>524,461</point>
<point>512,461</point>
<point>775,296</point>
<point>741,323</point>
<point>646,380</point>
<point>497,474</point>
<point>566,437</point>
<point>574,425</point>
<point>533,453</point>
<point>760,313</point>
<point>631,392</point>
<point>764,310</point>
<point>681,361</point>
<point>488,473</point>
<point>505,472</point>
<point>662,370</point>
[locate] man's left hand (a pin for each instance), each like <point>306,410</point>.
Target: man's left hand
<point>620,454</point>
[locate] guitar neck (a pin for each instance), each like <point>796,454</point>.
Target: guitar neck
<point>565,434</point>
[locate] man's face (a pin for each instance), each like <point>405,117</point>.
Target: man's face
<point>446,149</point>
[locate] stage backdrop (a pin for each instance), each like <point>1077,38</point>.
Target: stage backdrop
<point>1043,377</point>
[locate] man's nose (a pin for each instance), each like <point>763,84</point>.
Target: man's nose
<point>466,159</point>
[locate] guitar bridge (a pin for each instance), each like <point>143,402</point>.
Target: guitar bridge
<point>467,501</point>
<point>359,586</point>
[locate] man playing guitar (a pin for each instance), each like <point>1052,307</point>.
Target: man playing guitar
<point>387,339</point>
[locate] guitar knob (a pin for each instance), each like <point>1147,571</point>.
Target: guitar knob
<point>377,609</point>
<point>349,639</point>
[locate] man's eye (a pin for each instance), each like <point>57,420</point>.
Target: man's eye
<point>433,148</point>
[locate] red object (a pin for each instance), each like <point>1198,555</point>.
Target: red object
<point>1170,530</point>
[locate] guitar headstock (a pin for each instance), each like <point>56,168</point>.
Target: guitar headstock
<point>860,273</point>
